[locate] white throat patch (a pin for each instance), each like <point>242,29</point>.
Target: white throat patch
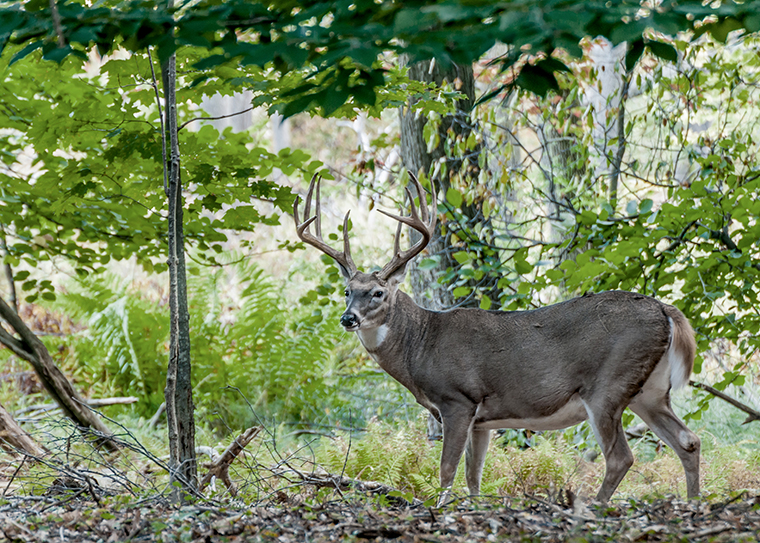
<point>374,337</point>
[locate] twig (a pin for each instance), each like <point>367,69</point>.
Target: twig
<point>57,23</point>
<point>220,468</point>
<point>13,477</point>
<point>214,118</point>
<point>753,415</point>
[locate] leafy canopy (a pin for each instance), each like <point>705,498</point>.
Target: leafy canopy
<point>342,41</point>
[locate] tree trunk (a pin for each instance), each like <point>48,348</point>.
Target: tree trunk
<point>607,98</point>
<point>29,347</point>
<point>178,392</point>
<point>14,440</point>
<point>434,163</point>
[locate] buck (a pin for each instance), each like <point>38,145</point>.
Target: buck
<point>546,369</point>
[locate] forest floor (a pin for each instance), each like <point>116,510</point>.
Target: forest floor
<point>54,519</point>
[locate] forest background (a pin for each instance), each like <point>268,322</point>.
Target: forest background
<point>576,146</point>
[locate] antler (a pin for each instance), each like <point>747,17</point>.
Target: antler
<point>302,229</point>
<point>425,226</point>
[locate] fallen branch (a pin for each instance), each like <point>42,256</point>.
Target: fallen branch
<point>753,415</point>
<point>345,483</point>
<point>14,439</point>
<point>154,419</point>
<point>95,402</point>
<point>220,467</point>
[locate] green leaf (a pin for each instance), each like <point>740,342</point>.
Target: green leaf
<point>461,292</point>
<point>635,50</point>
<point>454,197</point>
<point>429,263</point>
<point>522,267</point>
<point>663,50</point>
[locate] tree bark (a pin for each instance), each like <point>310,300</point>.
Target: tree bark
<point>434,163</point>
<point>14,440</point>
<point>178,392</point>
<point>29,347</point>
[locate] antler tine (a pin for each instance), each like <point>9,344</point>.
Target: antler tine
<point>420,193</point>
<point>309,194</point>
<point>302,229</point>
<point>346,246</point>
<point>397,240</point>
<point>425,226</point>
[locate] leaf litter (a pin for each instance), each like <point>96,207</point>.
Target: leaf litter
<point>361,517</point>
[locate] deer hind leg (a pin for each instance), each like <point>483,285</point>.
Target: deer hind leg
<point>608,429</point>
<point>475,457</point>
<point>659,416</point>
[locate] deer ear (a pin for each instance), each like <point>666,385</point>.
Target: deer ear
<point>344,272</point>
<point>397,277</point>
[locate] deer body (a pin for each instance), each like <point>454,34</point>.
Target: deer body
<point>550,368</point>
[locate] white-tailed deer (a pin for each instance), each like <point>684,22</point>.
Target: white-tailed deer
<point>584,359</point>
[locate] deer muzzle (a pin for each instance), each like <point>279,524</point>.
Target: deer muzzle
<point>349,321</point>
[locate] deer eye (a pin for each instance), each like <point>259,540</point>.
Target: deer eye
<point>377,294</point>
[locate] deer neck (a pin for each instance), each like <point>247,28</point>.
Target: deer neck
<point>390,343</point>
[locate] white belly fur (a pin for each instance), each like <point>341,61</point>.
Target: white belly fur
<point>570,414</point>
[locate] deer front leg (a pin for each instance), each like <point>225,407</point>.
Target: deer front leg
<point>456,428</point>
<point>475,457</point>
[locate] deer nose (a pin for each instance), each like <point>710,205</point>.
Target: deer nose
<point>348,320</point>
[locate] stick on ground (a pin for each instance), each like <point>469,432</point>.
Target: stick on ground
<point>220,468</point>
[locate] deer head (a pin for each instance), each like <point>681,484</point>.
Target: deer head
<point>369,296</point>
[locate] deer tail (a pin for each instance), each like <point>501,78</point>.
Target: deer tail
<point>682,348</point>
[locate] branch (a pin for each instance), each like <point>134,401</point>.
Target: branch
<point>57,23</point>
<point>161,120</point>
<point>94,402</point>
<point>220,467</point>
<point>18,347</point>
<point>11,317</point>
<point>753,415</point>
<point>621,143</point>
<point>213,118</point>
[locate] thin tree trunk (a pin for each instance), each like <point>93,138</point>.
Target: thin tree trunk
<point>14,440</point>
<point>9,273</point>
<point>29,347</point>
<point>178,392</point>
